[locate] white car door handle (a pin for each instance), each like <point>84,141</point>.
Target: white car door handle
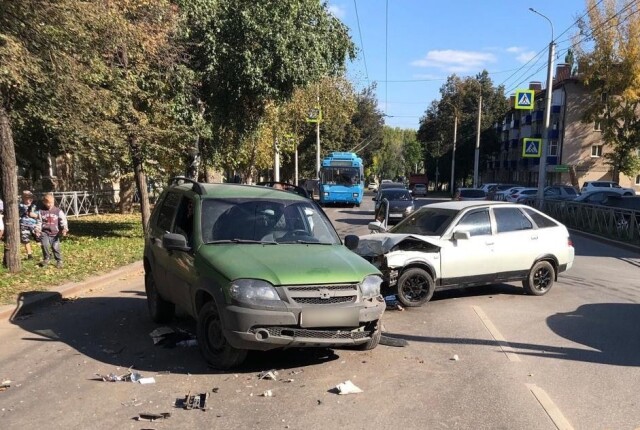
<point>534,237</point>
<point>488,243</point>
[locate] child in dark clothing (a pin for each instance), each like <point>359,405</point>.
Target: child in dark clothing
<point>52,223</point>
<point>28,219</point>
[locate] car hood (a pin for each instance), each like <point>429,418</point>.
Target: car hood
<point>399,204</point>
<point>376,244</point>
<point>288,264</point>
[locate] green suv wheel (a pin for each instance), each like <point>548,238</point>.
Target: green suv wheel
<point>213,345</point>
<point>160,310</point>
<point>375,338</point>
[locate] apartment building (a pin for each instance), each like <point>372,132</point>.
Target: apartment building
<point>575,150</point>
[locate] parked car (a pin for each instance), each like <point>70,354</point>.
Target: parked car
<point>560,192</point>
<point>523,195</point>
<point>458,244</point>
<point>502,195</point>
<point>469,194</point>
<point>401,202</point>
<point>497,188</point>
<point>258,268</point>
<point>597,197</point>
<point>372,186</point>
<point>419,190</point>
<point>488,186</point>
<point>599,185</point>
<point>390,184</point>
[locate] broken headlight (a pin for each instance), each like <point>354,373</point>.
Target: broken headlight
<point>370,286</point>
<point>252,290</point>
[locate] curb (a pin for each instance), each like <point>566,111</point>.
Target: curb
<point>67,290</point>
<point>613,242</point>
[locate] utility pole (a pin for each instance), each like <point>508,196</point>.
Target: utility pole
<point>295,166</point>
<point>276,161</point>
<point>437,167</point>
<point>476,159</point>
<point>542,172</point>
<point>318,138</point>
<point>453,154</point>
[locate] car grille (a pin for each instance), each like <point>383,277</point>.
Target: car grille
<point>318,295</point>
<point>317,334</point>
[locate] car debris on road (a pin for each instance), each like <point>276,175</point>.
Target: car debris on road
<point>347,387</point>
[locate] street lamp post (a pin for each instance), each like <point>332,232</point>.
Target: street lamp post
<point>542,172</point>
<point>453,153</point>
<point>476,157</point>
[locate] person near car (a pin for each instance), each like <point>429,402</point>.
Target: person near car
<point>52,225</point>
<point>28,213</point>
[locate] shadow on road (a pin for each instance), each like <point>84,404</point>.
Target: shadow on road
<point>354,221</point>
<point>607,330</point>
<point>115,332</point>
<point>587,247</point>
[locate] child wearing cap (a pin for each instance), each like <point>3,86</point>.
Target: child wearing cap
<point>54,224</point>
<point>28,212</point>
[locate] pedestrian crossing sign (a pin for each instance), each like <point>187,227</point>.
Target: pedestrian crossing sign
<point>524,99</point>
<point>531,148</point>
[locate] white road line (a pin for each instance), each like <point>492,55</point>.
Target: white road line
<point>550,408</point>
<point>504,345</point>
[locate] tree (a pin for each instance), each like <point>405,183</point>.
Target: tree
<point>609,64</point>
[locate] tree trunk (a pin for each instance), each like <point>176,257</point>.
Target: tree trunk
<point>9,175</point>
<point>141,180</point>
<point>126,194</point>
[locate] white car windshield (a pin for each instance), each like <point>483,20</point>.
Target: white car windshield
<point>427,222</point>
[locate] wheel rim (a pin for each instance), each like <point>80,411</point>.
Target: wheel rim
<point>542,279</point>
<point>415,288</point>
<point>214,337</point>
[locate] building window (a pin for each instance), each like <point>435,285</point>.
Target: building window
<point>596,150</point>
<point>597,125</point>
<point>638,180</point>
<point>553,148</point>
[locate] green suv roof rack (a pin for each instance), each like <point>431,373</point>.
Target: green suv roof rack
<point>179,180</point>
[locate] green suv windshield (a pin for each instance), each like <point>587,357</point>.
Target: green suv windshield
<point>264,221</point>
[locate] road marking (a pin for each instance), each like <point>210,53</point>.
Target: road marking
<point>502,342</point>
<point>550,408</point>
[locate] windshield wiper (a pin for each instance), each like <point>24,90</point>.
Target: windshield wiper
<point>307,242</point>
<point>260,242</point>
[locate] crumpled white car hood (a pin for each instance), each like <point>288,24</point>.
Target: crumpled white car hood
<point>372,245</point>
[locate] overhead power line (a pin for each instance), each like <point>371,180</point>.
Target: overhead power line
<point>364,57</point>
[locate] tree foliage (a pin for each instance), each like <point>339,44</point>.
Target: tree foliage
<point>609,64</point>
<point>459,97</point>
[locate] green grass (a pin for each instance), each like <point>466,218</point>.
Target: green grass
<point>95,245</point>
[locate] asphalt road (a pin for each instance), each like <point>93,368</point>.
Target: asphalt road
<point>565,360</point>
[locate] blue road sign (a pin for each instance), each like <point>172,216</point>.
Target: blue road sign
<point>531,148</point>
<point>524,99</point>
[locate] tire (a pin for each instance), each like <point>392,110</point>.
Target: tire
<point>627,194</point>
<point>160,310</point>
<point>415,287</point>
<point>374,340</point>
<point>213,345</point>
<point>540,279</point>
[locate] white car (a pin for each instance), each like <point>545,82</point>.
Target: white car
<point>521,195</point>
<point>460,244</point>
<point>502,195</point>
<point>606,185</point>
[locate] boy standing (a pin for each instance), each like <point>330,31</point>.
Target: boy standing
<point>54,224</point>
<point>28,219</point>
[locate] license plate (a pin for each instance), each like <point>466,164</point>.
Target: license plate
<point>334,317</point>
<point>395,215</point>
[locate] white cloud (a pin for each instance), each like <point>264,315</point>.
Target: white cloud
<point>455,61</point>
<point>515,49</point>
<point>525,56</point>
<point>338,11</point>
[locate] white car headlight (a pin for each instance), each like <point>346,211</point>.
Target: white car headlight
<point>408,210</point>
<point>250,290</point>
<point>370,286</point>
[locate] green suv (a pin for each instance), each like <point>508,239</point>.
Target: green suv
<point>259,268</point>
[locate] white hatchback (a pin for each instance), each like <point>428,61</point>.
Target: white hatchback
<point>460,244</point>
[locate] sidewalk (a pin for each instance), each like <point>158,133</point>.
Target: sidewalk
<point>71,289</point>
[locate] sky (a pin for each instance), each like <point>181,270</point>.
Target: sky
<point>409,47</point>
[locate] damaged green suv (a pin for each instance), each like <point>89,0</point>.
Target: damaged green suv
<point>259,268</point>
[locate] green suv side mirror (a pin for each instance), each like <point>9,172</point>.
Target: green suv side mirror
<point>175,242</point>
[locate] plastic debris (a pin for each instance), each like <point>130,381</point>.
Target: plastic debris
<point>288,380</point>
<point>268,374</point>
<point>195,401</point>
<point>111,377</point>
<point>455,357</point>
<point>393,303</point>
<point>187,343</point>
<point>393,341</point>
<point>127,377</point>
<point>348,387</point>
<point>5,385</point>
<point>147,416</point>
<point>144,381</point>
<point>170,338</point>
<point>267,393</point>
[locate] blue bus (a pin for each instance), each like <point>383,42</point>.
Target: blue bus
<point>341,179</point>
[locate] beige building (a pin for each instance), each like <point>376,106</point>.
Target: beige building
<point>575,150</point>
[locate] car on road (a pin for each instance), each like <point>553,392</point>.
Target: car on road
<point>372,186</point>
<point>522,196</point>
<point>419,190</point>
<point>258,268</point>
<point>608,185</point>
<point>597,197</point>
<point>463,194</point>
<point>503,194</point>
<point>560,192</point>
<point>401,202</point>
<point>458,244</point>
